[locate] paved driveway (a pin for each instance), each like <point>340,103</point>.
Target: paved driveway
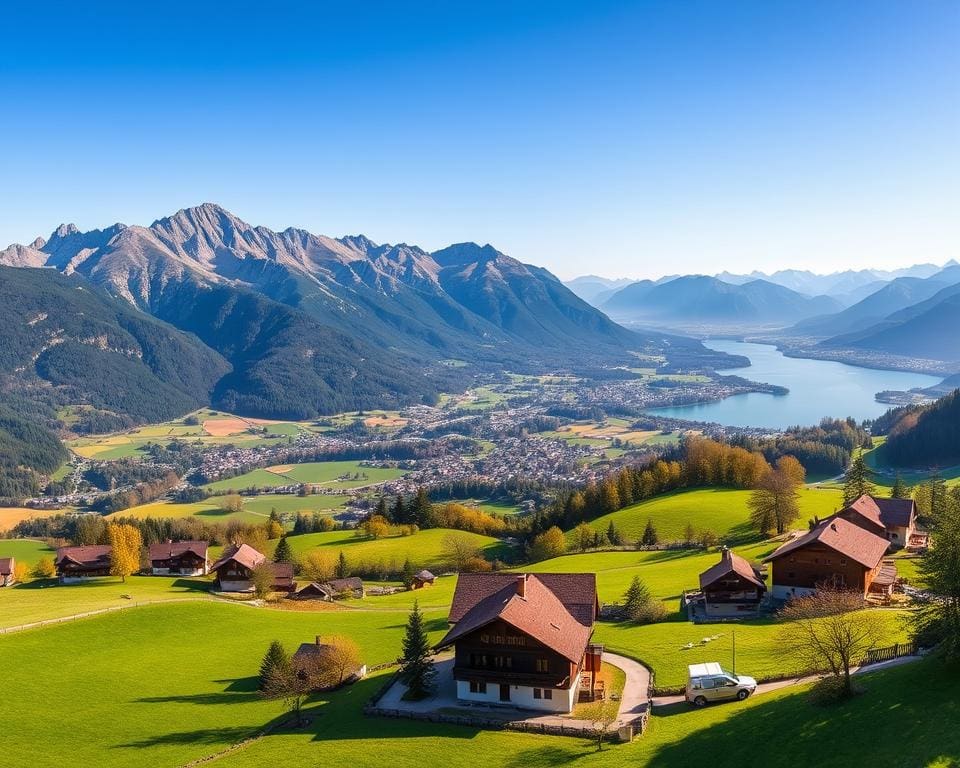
<point>636,689</point>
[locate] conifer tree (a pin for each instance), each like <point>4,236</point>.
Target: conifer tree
<point>342,570</point>
<point>284,552</point>
<point>276,661</point>
<point>416,666</point>
<point>856,481</point>
<point>649,537</point>
<point>636,596</point>
<point>399,511</point>
<point>382,509</point>
<point>613,535</point>
<point>407,573</point>
<point>421,509</point>
<point>900,489</point>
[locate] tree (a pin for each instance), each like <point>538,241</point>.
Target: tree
<point>262,578</point>
<point>382,508</point>
<point>126,545</point>
<point>827,630</point>
<point>689,534</point>
<point>938,618</point>
<point>45,569</point>
<point>457,548</point>
<point>856,481</point>
<point>416,666</point>
<point>640,605</point>
<point>232,503</point>
<point>284,683</point>
<point>550,543</point>
<point>342,571</point>
<point>407,573</point>
<point>318,566</point>
<point>601,715</point>
<point>613,535</point>
<point>792,469</point>
<point>400,511</point>
<point>649,537</point>
<point>274,529</point>
<point>21,571</point>
<point>900,489</point>
<point>284,552</point>
<point>583,536</point>
<point>276,658</point>
<point>773,505</point>
<point>339,658</point>
<point>375,527</point>
<point>421,510</point>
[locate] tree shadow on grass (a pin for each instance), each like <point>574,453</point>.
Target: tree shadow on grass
<point>237,691</point>
<point>192,585</point>
<point>221,735</point>
<point>552,754</point>
<point>431,625</point>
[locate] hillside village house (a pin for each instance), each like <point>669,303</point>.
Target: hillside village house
<point>309,655</point>
<point>524,639</point>
<point>894,519</point>
<point>334,589</point>
<point>234,570</point>
<point>836,551</point>
<point>422,579</point>
<point>7,567</point>
<point>76,564</point>
<point>181,558</point>
<point>732,587</point>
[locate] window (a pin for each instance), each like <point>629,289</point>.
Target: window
<point>476,687</point>
<point>536,693</point>
<point>843,561</point>
<point>543,665</point>
<point>503,662</point>
<point>478,660</point>
<point>547,693</point>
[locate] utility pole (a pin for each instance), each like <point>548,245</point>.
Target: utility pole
<point>734,651</point>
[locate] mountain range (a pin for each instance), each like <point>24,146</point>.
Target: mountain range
<point>293,325</point>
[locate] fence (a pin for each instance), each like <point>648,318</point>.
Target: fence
<point>876,655</point>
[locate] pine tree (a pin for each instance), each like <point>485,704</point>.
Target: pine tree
<point>382,509</point>
<point>407,573</point>
<point>342,570</point>
<point>421,510</point>
<point>284,552</point>
<point>900,489</point>
<point>416,667</point>
<point>649,537</point>
<point>276,661</point>
<point>856,481</point>
<point>301,524</point>
<point>400,511</point>
<point>636,596</point>
<point>613,535</point>
<point>274,515</point>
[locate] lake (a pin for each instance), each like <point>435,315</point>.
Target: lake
<point>818,388</point>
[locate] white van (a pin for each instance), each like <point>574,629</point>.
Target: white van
<point>711,682</point>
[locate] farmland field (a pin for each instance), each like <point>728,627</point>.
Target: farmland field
<point>10,516</point>
<point>25,550</point>
<point>721,510</point>
<point>317,472</point>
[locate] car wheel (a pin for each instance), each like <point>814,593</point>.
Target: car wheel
<point>741,695</point>
<point>700,701</point>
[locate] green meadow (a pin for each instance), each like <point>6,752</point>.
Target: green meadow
<point>26,551</point>
<point>723,511</point>
<point>325,472</point>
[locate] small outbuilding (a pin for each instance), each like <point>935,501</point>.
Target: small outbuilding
<point>732,587</point>
<point>7,568</point>
<point>332,590</point>
<point>422,579</point>
<point>310,657</point>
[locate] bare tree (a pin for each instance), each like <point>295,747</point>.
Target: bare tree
<point>287,684</point>
<point>458,549</point>
<point>601,715</point>
<point>828,630</point>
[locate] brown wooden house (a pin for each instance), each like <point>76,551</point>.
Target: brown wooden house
<point>181,558</point>
<point>894,519</point>
<point>334,589</point>
<point>732,587</point>
<point>524,639</point>
<point>76,564</point>
<point>234,570</point>
<point>7,571</point>
<point>836,552</point>
<point>422,579</point>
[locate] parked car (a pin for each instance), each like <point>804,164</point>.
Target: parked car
<point>710,682</point>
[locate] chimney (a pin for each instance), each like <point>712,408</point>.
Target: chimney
<point>318,641</point>
<point>522,585</point>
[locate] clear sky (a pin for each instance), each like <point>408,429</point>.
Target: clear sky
<point>625,139</point>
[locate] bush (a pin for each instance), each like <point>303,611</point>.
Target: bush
<point>649,613</point>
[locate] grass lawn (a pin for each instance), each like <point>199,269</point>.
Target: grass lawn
<point>27,551</point>
<point>424,548</point>
<point>721,510</point>
<point>39,600</point>
<point>261,505</point>
<point>667,574</point>
<point>325,472</point>
<point>759,650</point>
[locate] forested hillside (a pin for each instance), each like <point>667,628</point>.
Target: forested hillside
<point>928,436</point>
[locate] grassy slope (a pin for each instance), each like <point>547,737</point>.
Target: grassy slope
<point>886,475</point>
<point>424,548</point>
<point>325,472</point>
<point>25,550</point>
<point>720,510</point>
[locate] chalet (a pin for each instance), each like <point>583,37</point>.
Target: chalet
<point>524,639</point>
<point>331,590</point>
<point>234,570</point>
<point>181,558</point>
<point>836,551</point>
<point>7,567</point>
<point>894,519</point>
<point>75,564</point>
<point>283,577</point>
<point>732,587</point>
<point>310,656</point>
<point>422,579</point>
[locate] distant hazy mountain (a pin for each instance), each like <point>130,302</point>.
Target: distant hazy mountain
<point>592,288</point>
<point>701,299</point>
<point>891,297</point>
<point>313,324</point>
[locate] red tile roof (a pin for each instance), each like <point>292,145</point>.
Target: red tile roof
<point>539,612</point>
<point>94,554</point>
<point>730,563</point>
<point>6,566</point>
<point>167,549</point>
<point>886,513</point>
<point>576,591</point>
<point>842,536</point>
<point>244,554</point>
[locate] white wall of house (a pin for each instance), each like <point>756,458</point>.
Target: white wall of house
<point>522,696</point>
<point>79,579</point>
<point>730,609</point>
<point>177,572</point>
<point>243,585</point>
<point>783,592</point>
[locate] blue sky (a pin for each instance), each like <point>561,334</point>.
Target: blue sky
<point>616,138</point>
